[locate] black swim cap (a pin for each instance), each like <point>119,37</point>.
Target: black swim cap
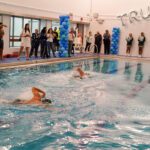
<point>48,101</point>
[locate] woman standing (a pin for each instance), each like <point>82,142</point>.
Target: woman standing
<point>141,41</point>
<point>129,43</point>
<point>43,38</point>
<point>50,42</point>
<point>106,41</point>
<point>25,41</point>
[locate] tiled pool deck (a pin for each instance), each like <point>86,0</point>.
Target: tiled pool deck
<point>13,62</point>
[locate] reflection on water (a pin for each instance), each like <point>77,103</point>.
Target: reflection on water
<point>139,74</point>
<point>127,71</point>
<point>105,66</point>
<point>86,65</point>
<point>110,67</point>
<point>96,65</point>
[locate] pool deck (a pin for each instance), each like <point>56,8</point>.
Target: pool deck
<point>13,62</point>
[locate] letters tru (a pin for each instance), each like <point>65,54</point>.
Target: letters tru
<point>135,16</point>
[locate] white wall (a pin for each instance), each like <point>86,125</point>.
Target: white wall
<point>47,8</point>
<point>112,8</point>
<point>135,28</point>
<point>115,7</point>
<point>108,10</point>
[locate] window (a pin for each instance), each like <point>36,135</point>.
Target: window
<point>16,27</point>
<point>0,18</point>
<point>26,20</point>
<point>17,24</point>
<point>55,24</point>
<point>49,24</point>
<point>43,24</point>
<point>35,25</point>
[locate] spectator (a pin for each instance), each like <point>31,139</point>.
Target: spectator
<point>25,41</point>
<point>35,43</point>
<point>71,39</point>
<point>50,42</point>
<point>55,40</point>
<point>43,38</point>
<point>98,43</point>
<point>1,39</point>
<point>88,41</point>
<point>106,41</point>
<point>129,40</point>
<point>80,42</point>
<point>141,41</point>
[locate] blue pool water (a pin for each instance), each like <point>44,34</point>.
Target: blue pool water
<point>109,110</point>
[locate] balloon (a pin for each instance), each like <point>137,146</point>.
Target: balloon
<point>64,32</point>
<point>115,41</point>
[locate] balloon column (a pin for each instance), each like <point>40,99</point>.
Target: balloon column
<point>115,41</point>
<point>64,33</point>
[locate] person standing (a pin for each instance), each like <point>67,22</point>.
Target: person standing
<point>25,41</point>
<point>1,39</point>
<point>89,40</point>
<point>43,38</point>
<point>106,40</point>
<point>80,42</point>
<point>50,42</point>
<point>70,44</point>
<point>129,43</point>
<point>55,40</point>
<point>98,43</point>
<point>58,38</point>
<point>35,43</point>
<point>141,41</point>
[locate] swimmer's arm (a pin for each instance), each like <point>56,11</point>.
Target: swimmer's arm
<point>34,88</point>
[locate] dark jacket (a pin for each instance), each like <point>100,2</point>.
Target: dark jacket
<point>35,37</point>
<point>98,39</point>
<point>129,42</point>
<point>141,42</point>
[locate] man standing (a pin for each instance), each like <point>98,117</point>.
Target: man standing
<point>1,39</point>
<point>71,39</point>
<point>35,43</point>
<point>106,42</point>
<point>98,43</point>
<point>55,40</point>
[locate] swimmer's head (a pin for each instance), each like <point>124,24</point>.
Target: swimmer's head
<point>79,70</point>
<point>46,101</point>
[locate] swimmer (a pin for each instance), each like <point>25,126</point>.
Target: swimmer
<point>80,73</point>
<point>38,98</point>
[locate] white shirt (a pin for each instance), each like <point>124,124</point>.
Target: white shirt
<point>89,39</point>
<point>50,37</point>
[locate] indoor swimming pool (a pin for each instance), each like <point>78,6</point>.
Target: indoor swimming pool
<point>109,110</point>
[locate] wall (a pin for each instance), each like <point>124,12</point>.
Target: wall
<point>112,8</point>
<point>135,28</point>
<point>46,8</point>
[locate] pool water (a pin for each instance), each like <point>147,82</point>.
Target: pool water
<point>109,110</point>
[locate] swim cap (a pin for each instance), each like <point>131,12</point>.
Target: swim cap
<point>45,100</point>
